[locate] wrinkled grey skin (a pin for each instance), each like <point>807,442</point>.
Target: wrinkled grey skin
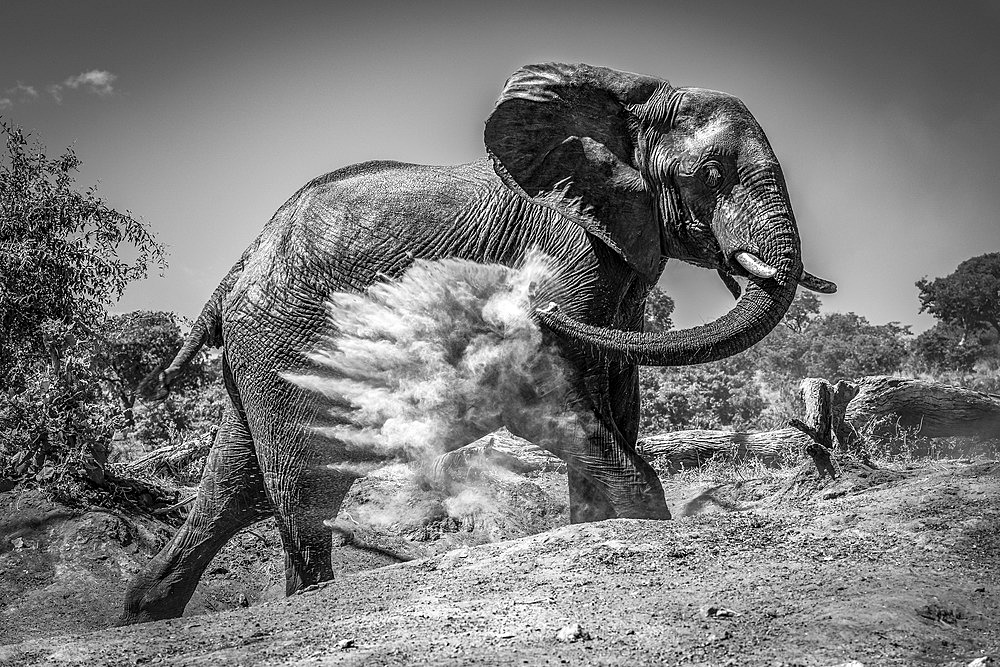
<point>609,173</point>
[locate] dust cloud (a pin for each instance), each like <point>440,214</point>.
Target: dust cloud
<point>420,366</point>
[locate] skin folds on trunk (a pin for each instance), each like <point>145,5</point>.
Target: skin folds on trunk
<point>759,310</point>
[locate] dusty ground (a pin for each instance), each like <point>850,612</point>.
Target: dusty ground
<point>65,569</point>
<point>888,567</point>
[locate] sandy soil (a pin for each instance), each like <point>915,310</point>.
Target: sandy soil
<point>889,567</point>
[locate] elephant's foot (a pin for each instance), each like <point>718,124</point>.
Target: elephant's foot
<point>589,502</point>
<point>648,510</point>
<point>586,506</point>
<point>134,618</point>
<point>297,581</point>
<point>307,569</point>
<point>151,603</point>
<point>593,512</point>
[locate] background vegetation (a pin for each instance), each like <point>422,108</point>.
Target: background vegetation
<point>69,370</point>
<point>756,390</point>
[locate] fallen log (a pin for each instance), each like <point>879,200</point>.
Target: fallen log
<point>886,407</point>
<point>171,459</point>
<point>689,449</point>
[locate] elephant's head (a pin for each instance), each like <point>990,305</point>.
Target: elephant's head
<point>655,172</point>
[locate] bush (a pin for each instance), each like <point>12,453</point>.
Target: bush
<point>720,395</point>
<point>193,407</point>
<point>60,262</point>
<point>57,421</point>
<point>137,344</point>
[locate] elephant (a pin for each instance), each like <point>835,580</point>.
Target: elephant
<point>609,174</point>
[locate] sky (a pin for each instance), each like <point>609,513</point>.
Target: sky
<point>201,118</point>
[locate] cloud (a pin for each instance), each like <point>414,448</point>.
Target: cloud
<point>21,90</point>
<point>97,81</point>
<point>17,94</point>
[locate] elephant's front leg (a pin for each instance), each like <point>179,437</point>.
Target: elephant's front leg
<point>607,478</point>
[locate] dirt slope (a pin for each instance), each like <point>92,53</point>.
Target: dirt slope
<point>882,568</point>
<point>64,569</point>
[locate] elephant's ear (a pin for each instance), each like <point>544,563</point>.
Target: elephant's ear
<point>560,136</point>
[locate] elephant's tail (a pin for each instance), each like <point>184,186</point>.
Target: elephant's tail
<point>207,330</point>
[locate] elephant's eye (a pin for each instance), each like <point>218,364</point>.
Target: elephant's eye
<point>712,175</point>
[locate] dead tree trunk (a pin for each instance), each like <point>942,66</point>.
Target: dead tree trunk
<point>692,448</point>
<point>843,393</point>
<point>886,407</point>
<point>817,396</point>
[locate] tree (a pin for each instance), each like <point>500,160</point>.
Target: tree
<point>135,344</point>
<point>967,304</point>
<point>194,406</point>
<point>846,345</point>
<point>138,343</point>
<point>803,310</point>
<point>946,347</point>
<point>61,265</point>
<point>659,308</point>
<point>719,394</point>
<point>831,346</point>
<point>969,297</point>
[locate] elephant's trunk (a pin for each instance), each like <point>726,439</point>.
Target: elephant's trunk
<point>757,312</point>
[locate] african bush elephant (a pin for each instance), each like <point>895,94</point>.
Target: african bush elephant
<point>606,172</point>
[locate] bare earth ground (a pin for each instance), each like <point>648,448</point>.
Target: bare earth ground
<point>885,567</point>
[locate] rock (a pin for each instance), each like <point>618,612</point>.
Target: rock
<point>983,661</point>
<point>717,612</point>
<point>344,644</point>
<point>573,633</point>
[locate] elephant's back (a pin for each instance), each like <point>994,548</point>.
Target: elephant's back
<point>379,215</point>
<point>344,230</point>
<point>378,189</point>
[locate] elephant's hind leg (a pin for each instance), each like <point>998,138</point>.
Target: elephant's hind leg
<point>306,496</point>
<point>231,496</point>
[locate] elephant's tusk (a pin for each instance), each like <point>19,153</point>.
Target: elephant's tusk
<point>811,282</point>
<point>731,284</point>
<point>755,265</point>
